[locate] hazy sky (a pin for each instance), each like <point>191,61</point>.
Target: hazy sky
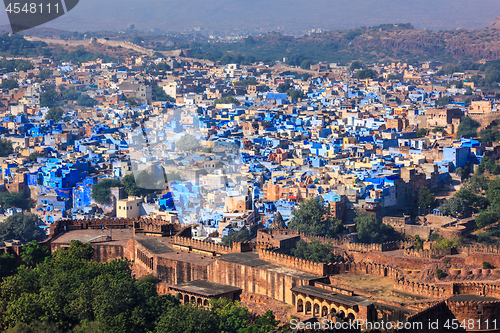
<point>287,15</point>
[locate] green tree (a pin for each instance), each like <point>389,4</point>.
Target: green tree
<point>487,265</point>
<point>306,64</point>
<point>187,142</point>
<point>49,98</point>
<point>439,273</point>
<point>231,316</point>
<point>486,218</point>
<point>421,132</point>
<point>86,100</point>
<point>444,100</point>
<point>488,164</point>
<point>236,236</point>
<point>24,227</point>
<point>227,100</point>
<point>283,87</point>
<point>249,81</point>
<point>15,199</point>
<point>356,65</point>
<point>133,189</point>
<point>8,264</point>
<point>171,176</point>
<point>44,74</point>
<point>187,319</point>
<point>101,191</point>
<point>295,95</point>
<point>313,218</point>
<point>34,156</point>
<point>265,323</point>
<point>371,230</point>
<point>493,194</point>
<point>314,251</point>
<point>467,128</point>
<point>426,198</point>
<point>6,147</point>
<point>366,74</point>
<point>438,129</point>
<point>33,253</point>
<point>9,84</point>
<point>54,114</point>
<point>160,95</point>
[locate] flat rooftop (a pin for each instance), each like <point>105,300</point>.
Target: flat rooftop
<point>472,297</point>
<point>118,236</point>
<point>205,288</point>
<point>153,245</point>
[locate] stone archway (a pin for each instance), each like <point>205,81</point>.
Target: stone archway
<point>341,314</point>
<point>193,299</point>
<point>324,311</point>
<point>199,301</point>
<point>316,312</point>
<point>186,299</point>
<point>300,305</point>
<point>308,308</point>
<point>350,317</point>
<point>205,302</point>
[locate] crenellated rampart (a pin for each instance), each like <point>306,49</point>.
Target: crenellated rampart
<point>192,244</point>
<point>430,254</point>
<point>477,288</point>
<point>478,249</point>
<point>295,263</point>
<point>421,289</point>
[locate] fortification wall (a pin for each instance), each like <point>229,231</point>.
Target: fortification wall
<point>477,288</point>
<point>390,246</point>
<point>421,289</point>
<point>191,244</point>
<point>438,311</point>
<point>472,312</point>
<point>413,263</point>
<point>275,284</point>
<point>102,252</point>
<point>172,271</point>
<point>478,249</point>
<point>295,263</point>
<point>477,259</point>
<point>431,254</point>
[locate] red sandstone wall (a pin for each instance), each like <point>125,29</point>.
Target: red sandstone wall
<point>255,280</point>
<point>173,272</point>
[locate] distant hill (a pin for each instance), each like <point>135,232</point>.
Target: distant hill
<point>286,16</point>
<point>495,24</point>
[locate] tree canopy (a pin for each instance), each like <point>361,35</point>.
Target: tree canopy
<point>187,142</point>
<point>313,218</point>
<point>101,191</point>
<point>370,230</point>
<point>68,292</point>
<point>226,100</point>
<point>86,100</point>
<point>9,84</point>
<point>242,235</point>
<point>467,128</point>
<point>314,251</point>
<point>14,199</point>
<point>24,227</point>
<point>54,114</point>
<point>426,198</point>
<point>6,147</point>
